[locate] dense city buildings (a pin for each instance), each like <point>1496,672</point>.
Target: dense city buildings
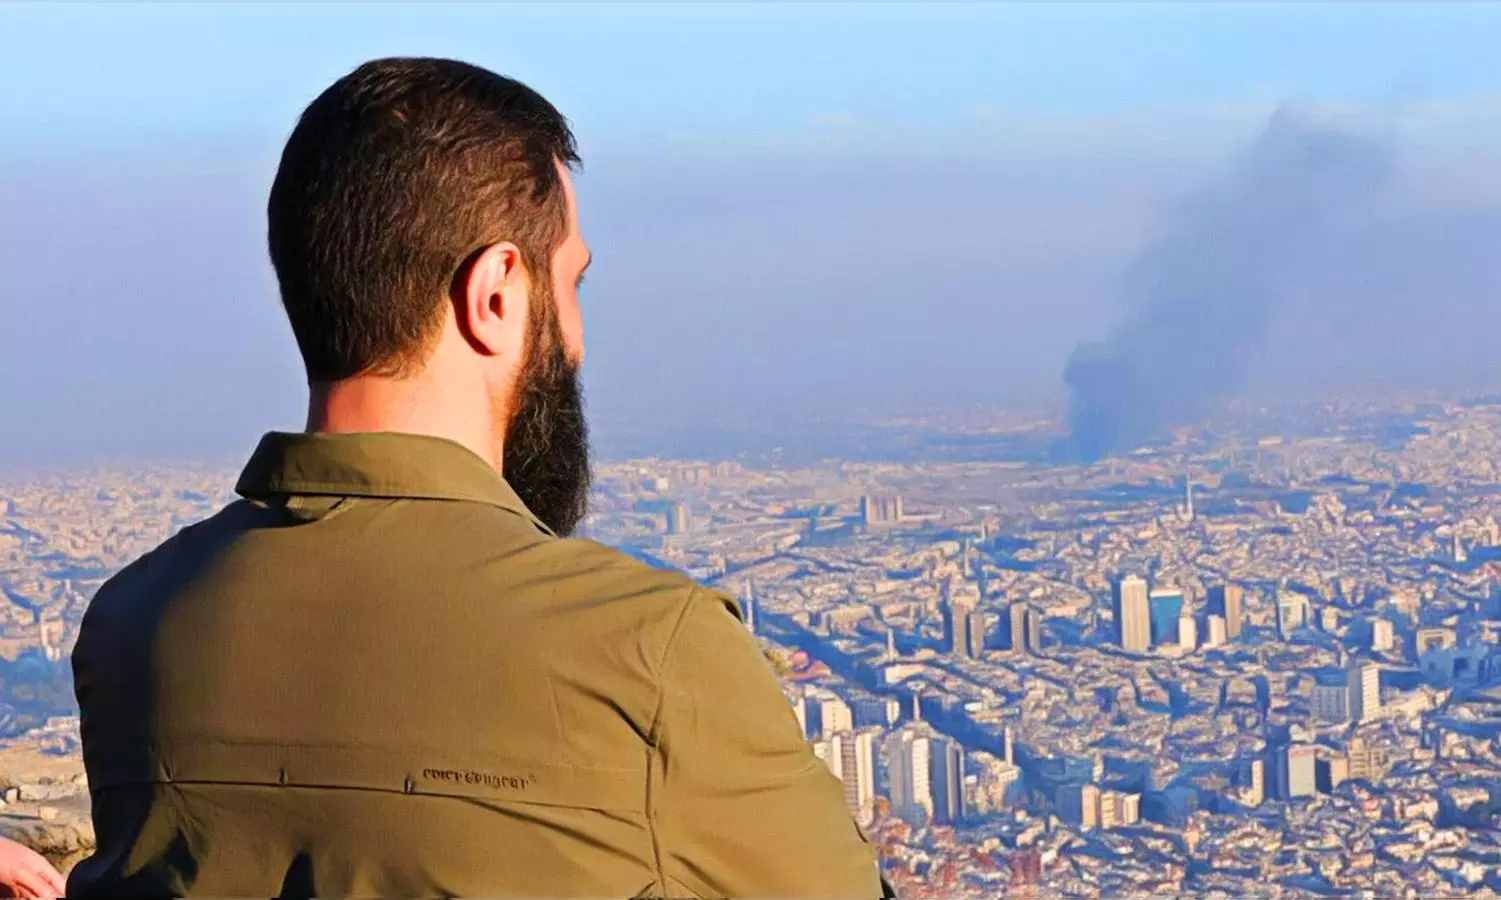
<point>1031,676</point>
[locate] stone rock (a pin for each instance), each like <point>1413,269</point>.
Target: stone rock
<point>63,843</point>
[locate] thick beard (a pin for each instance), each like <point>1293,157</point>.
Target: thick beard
<point>546,455</point>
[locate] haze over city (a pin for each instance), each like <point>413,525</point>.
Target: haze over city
<point>936,204</point>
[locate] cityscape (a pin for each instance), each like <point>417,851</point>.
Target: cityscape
<point>1089,406</point>
<point>1257,659</point>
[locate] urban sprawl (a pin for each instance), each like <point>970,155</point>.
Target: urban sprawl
<point>1256,660</point>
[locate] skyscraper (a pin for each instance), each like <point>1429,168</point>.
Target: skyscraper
<point>947,780</point>
<point>1119,808</point>
<point>876,711</point>
<point>1026,629</point>
<point>958,604</point>
<point>979,631</point>
<point>1079,804</point>
<point>908,774</point>
<point>750,605</point>
<point>1214,630</point>
<point>956,623</point>
<point>858,772</point>
<point>827,715</point>
<point>1292,612</point>
<point>1226,600</point>
<point>1253,780</point>
<point>1295,770</point>
<point>1330,698</point>
<point>1188,631</point>
<point>1365,691</point>
<point>1132,620</point>
<point>1110,811</point>
<point>878,510</point>
<point>851,757</point>
<point>679,519</point>
<point>1165,606</point>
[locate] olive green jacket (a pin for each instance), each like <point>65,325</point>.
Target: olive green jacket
<point>379,674</point>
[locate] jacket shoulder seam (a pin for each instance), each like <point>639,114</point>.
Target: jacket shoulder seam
<point>661,679</point>
<point>653,755</point>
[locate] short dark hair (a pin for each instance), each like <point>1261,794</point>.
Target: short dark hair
<point>393,177</point>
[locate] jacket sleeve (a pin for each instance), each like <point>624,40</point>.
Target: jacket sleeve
<point>742,806</point>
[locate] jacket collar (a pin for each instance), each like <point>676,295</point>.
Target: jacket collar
<point>377,464</point>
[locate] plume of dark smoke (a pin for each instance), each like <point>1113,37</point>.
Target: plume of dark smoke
<point>1202,295</point>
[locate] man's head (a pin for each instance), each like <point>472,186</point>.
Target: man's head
<point>424,233</point>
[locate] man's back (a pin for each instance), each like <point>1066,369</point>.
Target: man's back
<point>380,675</point>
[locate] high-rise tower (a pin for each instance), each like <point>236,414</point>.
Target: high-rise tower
<point>1226,600</point>
<point>1132,617</point>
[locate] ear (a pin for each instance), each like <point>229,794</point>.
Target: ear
<point>490,299</point>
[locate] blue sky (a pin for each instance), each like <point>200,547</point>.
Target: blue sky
<point>101,75</point>
<point>808,209</point>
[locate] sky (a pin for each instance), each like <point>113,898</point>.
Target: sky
<point>800,213</point>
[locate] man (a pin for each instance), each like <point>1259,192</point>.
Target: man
<point>387,671</point>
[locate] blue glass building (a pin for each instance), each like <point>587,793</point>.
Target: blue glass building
<point>1164,607</point>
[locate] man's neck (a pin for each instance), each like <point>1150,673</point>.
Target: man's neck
<point>414,405</point>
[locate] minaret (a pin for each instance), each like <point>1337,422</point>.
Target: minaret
<point>890,644</point>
